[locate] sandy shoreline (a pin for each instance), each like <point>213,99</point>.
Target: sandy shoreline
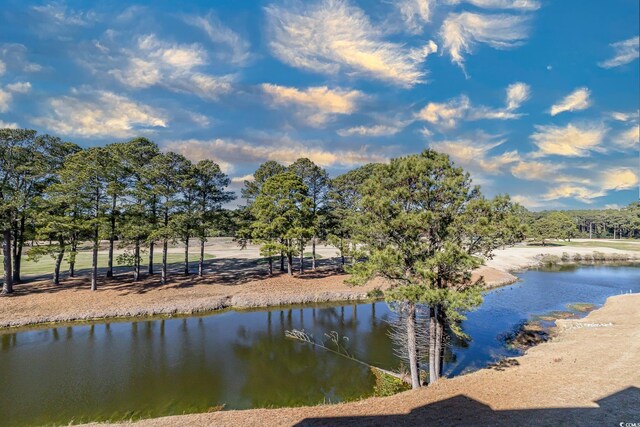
<point>40,303</point>
<point>587,375</point>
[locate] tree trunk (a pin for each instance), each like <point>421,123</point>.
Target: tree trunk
<point>154,220</point>
<point>270,265</point>
<point>411,345</point>
<point>165,247</point>
<point>112,236</point>
<point>72,259</point>
<point>136,261</point>
<point>301,257</point>
<point>433,375</point>
<point>94,262</point>
<point>18,244</point>
<point>201,262</point>
<point>439,337</point>
<point>110,261</point>
<point>56,268</point>
<point>186,256</point>
<point>96,243</point>
<point>281,261</point>
<point>313,253</point>
<point>151,248</point>
<point>289,264</point>
<point>7,285</point>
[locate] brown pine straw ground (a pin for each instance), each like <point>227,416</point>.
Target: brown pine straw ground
<point>588,375</point>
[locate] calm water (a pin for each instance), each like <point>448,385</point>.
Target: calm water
<point>241,359</point>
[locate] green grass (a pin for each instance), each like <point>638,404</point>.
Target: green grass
<point>83,260</point>
<point>633,245</point>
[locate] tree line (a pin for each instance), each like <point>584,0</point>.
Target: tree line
<point>128,193</point>
<point>593,223</point>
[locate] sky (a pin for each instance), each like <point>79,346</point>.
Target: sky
<point>538,99</point>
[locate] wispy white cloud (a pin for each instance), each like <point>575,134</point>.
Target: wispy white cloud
<point>238,49</point>
<point>374,130</point>
<point>522,5</point>
<point>242,179</point>
<point>535,170</point>
<point>619,179</point>
<point>578,192</point>
<point>517,93</point>
<point>19,87</point>
<point>415,13</point>
<point>625,51</point>
<point>6,94</point>
<point>625,117</point>
<point>474,153</point>
<point>334,37</point>
<point>285,150</point>
<point>150,61</point>
<point>13,56</point>
<point>575,101</point>
<point>58,14</point>
<point>446,115</point>
<point>8,125</point>
<point>629,138</point>
<point>571,140</point>
<point>461,31</point>
<point>316,105</point>
<point>5,100</point>
<point>599,185</point>
<point>88,113</point>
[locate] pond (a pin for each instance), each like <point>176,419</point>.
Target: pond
<point>118,370</point>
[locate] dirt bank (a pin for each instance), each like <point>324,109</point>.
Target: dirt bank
<point>231,281</point>
<point>587,375</point>
<point>41,302</point>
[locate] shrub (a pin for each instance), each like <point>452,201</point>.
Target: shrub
<point>387,385</point>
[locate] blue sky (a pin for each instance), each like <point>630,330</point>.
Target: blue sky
<point>538,99</point>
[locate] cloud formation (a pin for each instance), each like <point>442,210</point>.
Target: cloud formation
<point>230,152</point>
<point>151,61</point>
<point>415,13</point>
<point>88,113</point>
<point>446,115</point>
<point>332,37</point>
<point>461,31</point>
<point>474,153</point>
<point>316,105</point>
<point>571,140</point>
<point>238,49</point>
<point>629,138</point>
<point>523,5</point>
<point>625,51</point>
<point>575,101</point>
<point>375,130</point>
<point>6,94</point>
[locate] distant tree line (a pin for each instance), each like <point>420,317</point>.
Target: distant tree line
<point>592,224</point>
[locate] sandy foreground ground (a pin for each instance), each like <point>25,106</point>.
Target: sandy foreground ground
<point>233,280</point>
<point>587,375</point>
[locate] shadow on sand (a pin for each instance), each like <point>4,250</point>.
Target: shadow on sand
<point>621,407</point>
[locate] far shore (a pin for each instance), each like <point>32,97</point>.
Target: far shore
<point>40,303</point>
